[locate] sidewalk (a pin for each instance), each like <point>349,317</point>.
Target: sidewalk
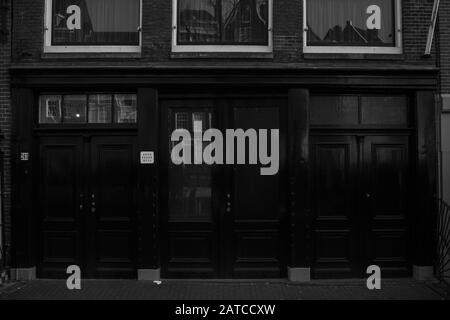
<point>393,289</point>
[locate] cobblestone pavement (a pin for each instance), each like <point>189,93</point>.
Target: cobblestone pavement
<point>403,289</point>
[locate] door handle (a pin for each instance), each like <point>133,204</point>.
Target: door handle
<point>368,196</point>
<point>228,209</point>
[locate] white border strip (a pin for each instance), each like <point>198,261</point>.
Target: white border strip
<point>356,50</point>
<point>221,48</point>
<point>48,48</point>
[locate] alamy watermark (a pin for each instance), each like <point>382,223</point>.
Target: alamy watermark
<point>235,142</point>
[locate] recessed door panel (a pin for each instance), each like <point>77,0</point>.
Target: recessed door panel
<point>112,207</point>
<point>333,193</point>
<point>59,205</point>
<point>387,171</point>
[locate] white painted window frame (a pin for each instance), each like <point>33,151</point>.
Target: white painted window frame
<point>224,47</point>
<point>398,49</point>
<point>49,48</point>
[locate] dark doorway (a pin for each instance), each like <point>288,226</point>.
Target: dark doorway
<point>360,204</point>
<point>223,221</point>
<point>87,205</point>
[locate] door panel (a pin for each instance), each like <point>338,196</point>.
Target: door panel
<point>87,202</point>
<point>333,193</point>
<point>58,196</point>
<point>387,167</point>
<point>112,207</point>
<point>190,213</point>
<point>258,209</point>
<point>221,221</point>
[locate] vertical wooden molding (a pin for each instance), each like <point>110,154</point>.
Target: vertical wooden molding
<point>148,128</point>
<point>23,220</point>
<point>300,236</point>
<point>426,178</point>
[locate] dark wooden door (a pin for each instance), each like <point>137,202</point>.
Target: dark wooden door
<point>60,184</point>
<point>87,205</point>
<point>111,207</point>
<point>385,202</point>
<point>255,219</point>
<point>360,204</point>
<point>222,221</point>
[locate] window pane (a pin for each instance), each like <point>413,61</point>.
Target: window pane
<point>100,108</point>
<point>125,106</point>
<point>50,109</point>
<point>223,22</point>
<point>351,22</point>
<point>95,22</point>
<point>384,110</point>
<point>245,21</point>
<point>75,109</point>
<point>190,186</point>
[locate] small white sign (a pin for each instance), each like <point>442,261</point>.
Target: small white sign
<point>147,157</point>
<point>24,156</point>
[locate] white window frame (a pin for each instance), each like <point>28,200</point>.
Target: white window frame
<point>221,47</point>
<point>49,48</point>
<point>357,49</point>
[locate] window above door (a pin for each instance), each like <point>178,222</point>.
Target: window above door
<point>352,26</point>
<point>222,26</point>
<point>86,26</point>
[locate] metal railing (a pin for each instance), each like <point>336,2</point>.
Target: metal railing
<point>443,242</point>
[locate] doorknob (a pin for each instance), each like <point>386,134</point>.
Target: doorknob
<point>368,195</point>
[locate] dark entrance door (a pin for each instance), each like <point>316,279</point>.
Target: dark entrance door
<point>87,202</point>
<point>360,207</point>
<point>222,221</point>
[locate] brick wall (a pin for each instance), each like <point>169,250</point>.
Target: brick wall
<point>157,20</point>
<point>5,120</point>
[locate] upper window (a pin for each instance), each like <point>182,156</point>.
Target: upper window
<point>222,25</point>
<point>352,26</point>
<point>93,26</point>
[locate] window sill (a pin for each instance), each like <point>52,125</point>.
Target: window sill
<point>92,55</point>
<point>221,55</point>
<point>353,56</point>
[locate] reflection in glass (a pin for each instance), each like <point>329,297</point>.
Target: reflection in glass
<point>75,108</point>
<point>345,23</point>
<point>100,108</point>
<point>223,22</point>
<point>50,109</point>
<point>190,186</point>
<point>125,106</point>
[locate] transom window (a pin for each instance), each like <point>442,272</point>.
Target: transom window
<point>352,26</point>
<point>222,25</point>
<point>93,26</point>
<point>81,108</point>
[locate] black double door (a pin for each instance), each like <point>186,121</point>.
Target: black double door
<point>222,221</point>
<point>361,201</point>
<point>86,195</point>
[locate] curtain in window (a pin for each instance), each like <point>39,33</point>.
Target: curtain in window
<point>223,21</point>
<point>103,22</point>
<point>344,22</point>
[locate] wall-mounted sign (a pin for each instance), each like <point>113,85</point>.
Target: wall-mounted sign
<point>147,157</point>
<point>24,156</point>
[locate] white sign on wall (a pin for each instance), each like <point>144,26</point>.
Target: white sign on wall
<point>147,157</point>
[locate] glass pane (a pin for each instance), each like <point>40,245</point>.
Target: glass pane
<point>125,106</point>
<point>100,108</point>
<point>50,109</point>
<point>190,186</point>
<point>351,22</point>
<point>95,22</point>
<point>198,21</point>
<point>334,110</point>
<point>75,109</point>
<point>384,110</point>
<point>245,21</point>
<point>223,21</point>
